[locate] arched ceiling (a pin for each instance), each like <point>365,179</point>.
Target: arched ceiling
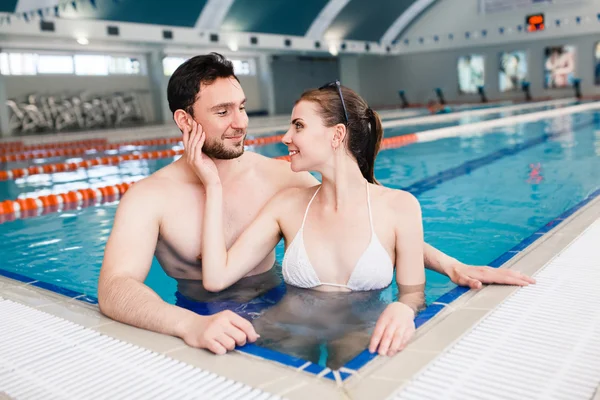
<point>366,19</point>
<point>361,20</point>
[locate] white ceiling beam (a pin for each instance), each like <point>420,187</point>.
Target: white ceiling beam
<point>31,5</point>
<point>405,19</point>
<point>320,25</point>
<point>213,14</point>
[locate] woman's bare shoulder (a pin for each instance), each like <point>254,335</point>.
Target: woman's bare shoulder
<point>293,195</point>
<point>398,201</point>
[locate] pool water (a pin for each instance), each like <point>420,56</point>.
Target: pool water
<point>480,196</point>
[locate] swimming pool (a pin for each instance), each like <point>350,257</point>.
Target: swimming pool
<point>44,184</point>
<point>481,195</point>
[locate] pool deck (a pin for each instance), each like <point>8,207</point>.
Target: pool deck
<point>267,125</point>
<point>377,380</point>
<point>258,126</point>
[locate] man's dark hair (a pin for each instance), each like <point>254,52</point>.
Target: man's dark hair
<point>185,82</point>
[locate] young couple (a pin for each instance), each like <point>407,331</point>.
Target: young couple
<point>214,217</point>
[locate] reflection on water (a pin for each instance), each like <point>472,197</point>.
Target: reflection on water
<point>328,328</point>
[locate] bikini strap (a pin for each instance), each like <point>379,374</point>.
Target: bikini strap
<point>308,206</point>
<point>369,206</point>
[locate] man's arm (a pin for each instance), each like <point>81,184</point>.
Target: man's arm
<point>468,275</point>
<point>123,296</point>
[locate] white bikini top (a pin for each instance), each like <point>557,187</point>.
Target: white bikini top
<point>374,269</point>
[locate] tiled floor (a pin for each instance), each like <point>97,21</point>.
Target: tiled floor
<point>541,342</point>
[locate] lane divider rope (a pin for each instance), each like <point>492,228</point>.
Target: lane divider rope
<point>16,173</point>
<point>81,198</point>
<point>75,199</point>
<point>11,147</point>
<point>79,148</point>
<point>73,166</point>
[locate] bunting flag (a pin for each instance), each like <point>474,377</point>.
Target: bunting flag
<point>74,4</point>
<point>93,3</point>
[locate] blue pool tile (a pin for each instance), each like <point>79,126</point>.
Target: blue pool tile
<point>273,355</point>
<point>54,288</point>
<point>314,369</point>
<point>330,376</point>
<point>503,258</point>
<point>87,299</point>
<point>526,242</point>
<point>345,375</point>
<point>451,295</point>
<point>550,225</point>
<point>15,276</point>
<point>360,360</point>
<point>428,313</point>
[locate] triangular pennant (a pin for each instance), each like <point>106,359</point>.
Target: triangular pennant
<point>93,3</point>
<point>56,12</point>
<point>41,13</point>
<point>74,4</point>
<point>26,17</point>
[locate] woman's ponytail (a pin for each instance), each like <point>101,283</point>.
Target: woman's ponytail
<point>373,143</point>
<point>363,125</point>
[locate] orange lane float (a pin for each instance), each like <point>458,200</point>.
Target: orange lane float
<point>35,206</point>
<point>6,148</point>
<point>31,207</point>
<point>65,167</point>
<point>387,143</point>
<point>261,141</point>
<point>22,156</point>
<point>398,141</point>
<point>80,148</point>
<point>16,143</point>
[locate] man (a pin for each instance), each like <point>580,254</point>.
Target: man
<point>162,216</point>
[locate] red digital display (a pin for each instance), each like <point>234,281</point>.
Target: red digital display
<point>535,22</point>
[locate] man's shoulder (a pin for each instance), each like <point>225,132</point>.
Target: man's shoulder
<point>151,189</point>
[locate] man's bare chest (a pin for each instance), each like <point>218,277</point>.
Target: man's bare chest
<point>181,225</point>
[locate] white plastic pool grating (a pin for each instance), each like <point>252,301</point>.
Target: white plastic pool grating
<point>46,357</point>
<point>543,342</point>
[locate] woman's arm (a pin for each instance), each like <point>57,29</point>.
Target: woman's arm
<point>222,268</point>
<point>396,325</point>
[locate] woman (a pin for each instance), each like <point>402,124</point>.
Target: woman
<point>343,235</point>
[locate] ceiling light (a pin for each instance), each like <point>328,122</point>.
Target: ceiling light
<point>333,50</point>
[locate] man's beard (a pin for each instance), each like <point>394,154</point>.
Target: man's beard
<point>216,149</point>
